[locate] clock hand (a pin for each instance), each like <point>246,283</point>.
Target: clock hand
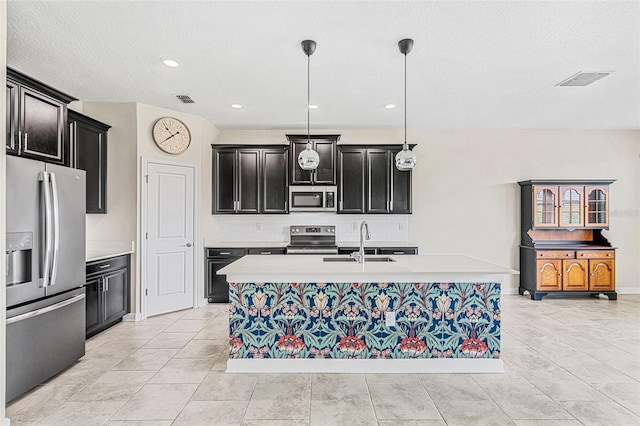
<point>176,133</point>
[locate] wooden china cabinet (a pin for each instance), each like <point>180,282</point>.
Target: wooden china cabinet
<point>562,249</point>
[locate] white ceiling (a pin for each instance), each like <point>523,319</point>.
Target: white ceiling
<point>475,65</point>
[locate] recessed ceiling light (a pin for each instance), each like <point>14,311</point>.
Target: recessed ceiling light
<point>312,106</point>
<point>584,78</point>
<point>236,106</point>
<point>390,106</point>
<point>171,63</point>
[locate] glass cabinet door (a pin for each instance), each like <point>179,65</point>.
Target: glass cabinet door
<point>571,206</point>
<point>545,206</point>
<point>597,206</point>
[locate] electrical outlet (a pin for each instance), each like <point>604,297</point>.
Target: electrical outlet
<point>390,318</point>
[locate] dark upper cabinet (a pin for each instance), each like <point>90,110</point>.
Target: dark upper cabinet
<point>274,180</point>
<point>248,184</point>
<point>325,146</point>
<point>369,182</point>
<point>37,119</point>
<point>378,181</point>
<point>12,118</point>
<point>88,152</point>
<point>351,180</point>
<point>249,180</point>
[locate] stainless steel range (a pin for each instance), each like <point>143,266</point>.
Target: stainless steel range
<point>312,239</point>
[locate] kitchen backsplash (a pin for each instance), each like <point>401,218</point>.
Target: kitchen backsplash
<point>276,227</point>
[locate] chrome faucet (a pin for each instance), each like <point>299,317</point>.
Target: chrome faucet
<point>365,226</point>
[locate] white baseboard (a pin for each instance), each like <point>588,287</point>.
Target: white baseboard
<point>427,365</point>
<point>7,422</point>
<point>513,290</point>
<point>203,302</point>
<point>137,316</point>
<point>628,290</point>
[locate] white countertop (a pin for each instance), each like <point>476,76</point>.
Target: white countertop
<point>98,250</point>
<point>246,244</point>
<point>279,244</point>
<point>370,243</point>
<point>312,268</point>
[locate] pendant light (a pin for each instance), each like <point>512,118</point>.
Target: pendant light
<point>308,159</point>
<point>405,159</point>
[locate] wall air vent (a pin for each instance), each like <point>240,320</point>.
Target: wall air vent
<point>185,99</point>
<point>584,78</point>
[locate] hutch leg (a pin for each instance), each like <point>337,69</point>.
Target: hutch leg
<point>612,295</point>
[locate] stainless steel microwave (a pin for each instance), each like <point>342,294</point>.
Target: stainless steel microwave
<point>312,198</point>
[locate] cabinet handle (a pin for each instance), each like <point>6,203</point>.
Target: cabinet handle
<point>286,206</point>
<point>340,204</point>
<point>106,284</point>
<point>26,136</point>
<point>608,254</point>
<point>265,252</point>
<point>541,254</point>
<point>398,252</point>
<point>582,254</point>
<point>224,252</point>
<point>104,266</point>
<point>391,205</point>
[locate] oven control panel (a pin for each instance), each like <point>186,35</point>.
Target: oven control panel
<point>312,230</point>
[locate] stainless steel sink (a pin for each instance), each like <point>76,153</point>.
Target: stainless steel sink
<point>353,259</point>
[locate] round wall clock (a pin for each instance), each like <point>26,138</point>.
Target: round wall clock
<point>171,135</point>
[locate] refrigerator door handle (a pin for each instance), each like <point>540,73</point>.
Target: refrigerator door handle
<point>48,229</point>
<point>45,310</point>
<point>56,229</point>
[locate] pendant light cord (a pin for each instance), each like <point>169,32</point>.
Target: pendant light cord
<point>308,100</point>
<point>405,102</point>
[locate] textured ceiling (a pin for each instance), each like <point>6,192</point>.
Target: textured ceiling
<point>475,65</point>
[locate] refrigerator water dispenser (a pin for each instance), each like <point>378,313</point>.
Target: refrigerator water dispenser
<point>19,255</point>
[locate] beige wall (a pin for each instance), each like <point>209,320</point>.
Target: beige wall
<point>129,142</point>
<point>3,112</point>
<point>465,194</point>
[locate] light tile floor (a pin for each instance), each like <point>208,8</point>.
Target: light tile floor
<point>568,361</point>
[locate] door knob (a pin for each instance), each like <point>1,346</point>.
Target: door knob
<point>186,245</point>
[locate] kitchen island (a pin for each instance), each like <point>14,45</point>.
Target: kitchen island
<point>313,313</point>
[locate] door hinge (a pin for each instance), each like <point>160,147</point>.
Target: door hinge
<point>146,178</point>
<point>146,235</point>
<point>146,291</point>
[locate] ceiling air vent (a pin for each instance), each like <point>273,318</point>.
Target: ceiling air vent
<point>584,78</point>
<point>185,99</point>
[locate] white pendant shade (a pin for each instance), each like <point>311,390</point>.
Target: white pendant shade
<point>406,159</point>
<point>308,159</point>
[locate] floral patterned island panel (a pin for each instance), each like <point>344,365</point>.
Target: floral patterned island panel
<point>347,320</point>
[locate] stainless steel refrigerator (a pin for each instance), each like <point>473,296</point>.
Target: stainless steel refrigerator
<point>45,257</point>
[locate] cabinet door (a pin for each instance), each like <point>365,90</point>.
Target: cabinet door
<point>351,180</point>
<point>400,187</point>
<point>217,287</point>
<point>378,181</point>
<point>274,181</point>
<point>545,202</point>
<point>596,206</point>
<point>42,125</point>
<point>89,153</point>
<point>571,206</point>
<point>549,274</point>
<point>602,275</point>
<point>297,174</point>
<point>325,174</point>
<point>12,118</point>
<point>224,200</point>
<point>575,276</point>
<point>93,299</point>
<point>116,295</point>
<point>248,182</point>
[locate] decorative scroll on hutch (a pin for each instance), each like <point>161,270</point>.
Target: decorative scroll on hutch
<point>562,249</point>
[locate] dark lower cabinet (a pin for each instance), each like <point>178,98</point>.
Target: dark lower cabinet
<point>88,146</point>
<point>379,250</point>
<point>216,286</point>
<point>369,182</point>
<point>107,293</point>
<point>36,117</point>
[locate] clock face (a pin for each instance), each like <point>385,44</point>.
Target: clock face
<point>171,135</point>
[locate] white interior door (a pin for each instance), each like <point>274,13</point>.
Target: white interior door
<point>170,251</point>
